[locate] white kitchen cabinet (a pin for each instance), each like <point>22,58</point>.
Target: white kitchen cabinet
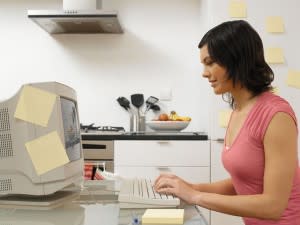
<point>219,173</point>
<point>162,153</point>
<point>189,159</point>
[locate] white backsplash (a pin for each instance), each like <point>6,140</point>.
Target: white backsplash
<point>157,51</point>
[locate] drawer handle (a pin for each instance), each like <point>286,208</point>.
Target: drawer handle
<point>220,140</point>
<point>164,169</point>
<point>163,142</point>
<point>93,146</point>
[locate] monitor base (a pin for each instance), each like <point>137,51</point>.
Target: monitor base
<point>44,202</point>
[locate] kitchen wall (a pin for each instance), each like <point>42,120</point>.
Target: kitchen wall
<point>257,12</point>
<point>157,51</point>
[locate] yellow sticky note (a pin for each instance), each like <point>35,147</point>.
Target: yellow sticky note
<point>35,105</point>
<point>237,9</point>
<point>275,90</point>
<point>224,117</point>
<point>293,79</point>
<point>47,152</point>
<point>274,24</point>
<point>274,55</point>
<point>163,216</point>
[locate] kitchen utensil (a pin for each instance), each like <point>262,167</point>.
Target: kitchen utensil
<point>124,102</point>
<point>137,100</point>
<point>155,107</point>
<point>149,102</point>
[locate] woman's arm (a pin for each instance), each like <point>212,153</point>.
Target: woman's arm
<point>280,143</point>
<point>223,187</point>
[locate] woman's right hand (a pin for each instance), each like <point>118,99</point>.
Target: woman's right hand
<point>171,176</point>
<point>171,184</point>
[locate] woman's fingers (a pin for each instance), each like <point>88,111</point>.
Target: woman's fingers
<point>164,183</point>
<point>163,175</point>
<point>166,190</point>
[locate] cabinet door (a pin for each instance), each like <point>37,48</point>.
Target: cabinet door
<point>219,173</point>
<point>162,153</point>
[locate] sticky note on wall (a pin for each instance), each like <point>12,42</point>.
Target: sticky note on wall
<point>163,216</point>
<point>293,79</point>
<point>275,90</point>
<point>274,24</point>
<point>274,55</point>
<point>35,105</point>
<point>224,117</point>
<point>47,152</point>
<point>237,9</point>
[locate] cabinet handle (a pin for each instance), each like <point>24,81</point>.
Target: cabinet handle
<point>220,140</point>
<point>163,142</point>
<point>164,169</point>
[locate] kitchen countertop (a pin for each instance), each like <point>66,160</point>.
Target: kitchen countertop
<point>145,136</point>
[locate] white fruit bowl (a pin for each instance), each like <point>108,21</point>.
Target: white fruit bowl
<point>167,125</point>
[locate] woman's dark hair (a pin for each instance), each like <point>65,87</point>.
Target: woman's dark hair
<point>237,47</point>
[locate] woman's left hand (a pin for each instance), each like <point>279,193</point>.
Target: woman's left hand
<point>171,184</point>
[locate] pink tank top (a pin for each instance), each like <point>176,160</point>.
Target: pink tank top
<point>244,160</point>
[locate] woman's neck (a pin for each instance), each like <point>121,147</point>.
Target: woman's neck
<point>242,99</point>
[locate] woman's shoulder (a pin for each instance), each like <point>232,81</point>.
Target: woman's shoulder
<point>268,104</point>
<point>270,101</point>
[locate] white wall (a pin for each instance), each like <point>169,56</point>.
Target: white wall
<point>157,50</point>
<point>257,11</point>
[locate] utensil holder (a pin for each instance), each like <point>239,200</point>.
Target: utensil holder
<point>137,123</point>
<point>142,123</point>
<point>134,123</point>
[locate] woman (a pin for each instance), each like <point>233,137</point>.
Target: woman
<point>260,147</point>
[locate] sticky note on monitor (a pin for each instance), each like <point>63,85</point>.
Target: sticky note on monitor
<point>293,79</point>
<point>237,9</point>
<point>274,24</point>
<point>224,117</point>
<point>163,216</point>
<point>274,55</point>
<point>35,105</point>
<point>47,152</point>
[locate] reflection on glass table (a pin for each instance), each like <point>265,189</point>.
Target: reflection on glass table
<point>68,214</point>
<point>96,205</point>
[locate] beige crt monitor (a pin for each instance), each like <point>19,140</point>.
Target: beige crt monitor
<point>17,172</point>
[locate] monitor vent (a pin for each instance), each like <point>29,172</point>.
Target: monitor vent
<point>4,119</point>
<point>5,146</point>
<point>5,185</point>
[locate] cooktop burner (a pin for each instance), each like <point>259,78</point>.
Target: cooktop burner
<point>91,128</point>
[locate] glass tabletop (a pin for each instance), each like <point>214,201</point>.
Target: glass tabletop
<point>96,205</point>
<point>87,214</point>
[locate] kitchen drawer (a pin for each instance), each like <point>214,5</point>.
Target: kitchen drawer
<point>162,153</point>
<point>109,165</point>
<point>95,149</point>
<point>191,174</point>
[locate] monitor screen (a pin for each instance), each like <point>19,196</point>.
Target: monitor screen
<point>71,128</point>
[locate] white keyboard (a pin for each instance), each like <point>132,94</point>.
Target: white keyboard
<point>139,193</point>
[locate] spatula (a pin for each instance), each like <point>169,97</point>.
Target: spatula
<point>155,107</point>
<point>149,102</point>
<point>137,100</point>
<point>124,102</point>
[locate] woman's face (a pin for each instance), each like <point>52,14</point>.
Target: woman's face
<point>216,74</point>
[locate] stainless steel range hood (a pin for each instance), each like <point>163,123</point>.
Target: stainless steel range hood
<point>90,20</point>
